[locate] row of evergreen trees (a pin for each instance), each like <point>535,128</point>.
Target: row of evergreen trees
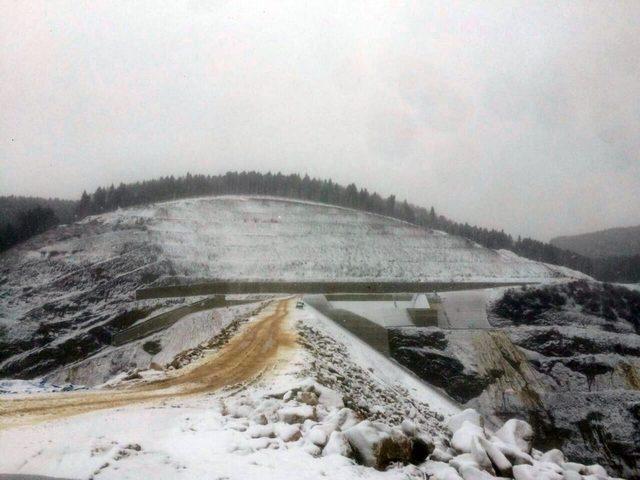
<point>326,191</point>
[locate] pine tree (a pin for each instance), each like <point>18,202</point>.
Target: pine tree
<point>84,206</point>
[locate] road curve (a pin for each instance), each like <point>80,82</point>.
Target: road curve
<point>255,348</point>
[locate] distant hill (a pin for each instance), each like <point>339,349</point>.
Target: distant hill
<point>605,243</point>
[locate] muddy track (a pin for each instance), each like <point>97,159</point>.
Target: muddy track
<point>257,347</point>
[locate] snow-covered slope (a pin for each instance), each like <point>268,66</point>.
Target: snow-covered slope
<point>64,293</point>
<point>267,238</point>
<point>273,238</point>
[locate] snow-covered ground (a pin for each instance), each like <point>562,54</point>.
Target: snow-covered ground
<point>235,433</point>
<point>329,407</point>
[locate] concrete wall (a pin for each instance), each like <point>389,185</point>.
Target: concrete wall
<point>229,287</point>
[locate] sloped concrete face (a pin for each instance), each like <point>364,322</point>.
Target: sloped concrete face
<point>423,317</point>
<point>384,313</point>
<point>465,309</point>
<point>370,332</point>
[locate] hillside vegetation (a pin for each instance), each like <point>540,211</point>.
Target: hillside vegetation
<point>23,217</point>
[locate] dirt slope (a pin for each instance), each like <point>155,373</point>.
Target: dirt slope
<point>256,348</point>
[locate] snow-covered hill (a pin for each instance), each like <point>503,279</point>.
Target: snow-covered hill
<point>64,293</point>
<point>269,238</point>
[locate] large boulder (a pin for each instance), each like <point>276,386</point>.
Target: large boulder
<point>436,470</point>
<point>500,462</point>
<point>338,445</point>
<point>377,445</point>
<point>471,473</point>
<point>287,433</point>
<point>463,437</point>
<point>480,456</point>
<point>537,472</point>
<point>297,414</point>
<point>517,433</point>
<point>553,456</point>
<point>342,419</point>
<point>469,415</point>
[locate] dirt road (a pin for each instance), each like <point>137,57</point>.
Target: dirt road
<point>257,347</point>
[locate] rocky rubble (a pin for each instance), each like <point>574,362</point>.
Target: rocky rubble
<point>565,358</point>
<point>476,453</point>
<point>369,397</point>
<point>313,418</point>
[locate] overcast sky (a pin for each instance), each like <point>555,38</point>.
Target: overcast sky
<point>522,117</point>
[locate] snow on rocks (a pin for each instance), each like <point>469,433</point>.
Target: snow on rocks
<point>517,433</point>
<point>501,464</point>
<point>478,454</point>
<point>554,456</point>
<point>296,414</point>
<point>338,445</point>
<point>441,471</point>
<point>463,437</point>
<point>357,387</point>
<point>313,418</point>
<point>377,445</point>
<point>531,472</point>
<point>469,415</point>
<point>317,436</point>
<point>288,433</point>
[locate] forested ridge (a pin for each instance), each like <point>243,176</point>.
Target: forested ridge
<point>325,191</point>
<point>24,217</point>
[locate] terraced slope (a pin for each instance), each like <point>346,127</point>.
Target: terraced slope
<point>268,238</point>
<point>65,293</point>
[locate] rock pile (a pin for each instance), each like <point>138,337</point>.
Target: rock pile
<point>313,417</point>
<point>475,453</point>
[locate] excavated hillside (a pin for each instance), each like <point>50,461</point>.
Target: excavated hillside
<point>564,357</point>
<point>66,293</point>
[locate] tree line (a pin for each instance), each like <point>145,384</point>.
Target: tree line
<point>23,217</point>
<point>326,191</point>
<point>28,223</point>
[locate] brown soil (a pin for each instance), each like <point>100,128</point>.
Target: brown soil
<point>256,348</point>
